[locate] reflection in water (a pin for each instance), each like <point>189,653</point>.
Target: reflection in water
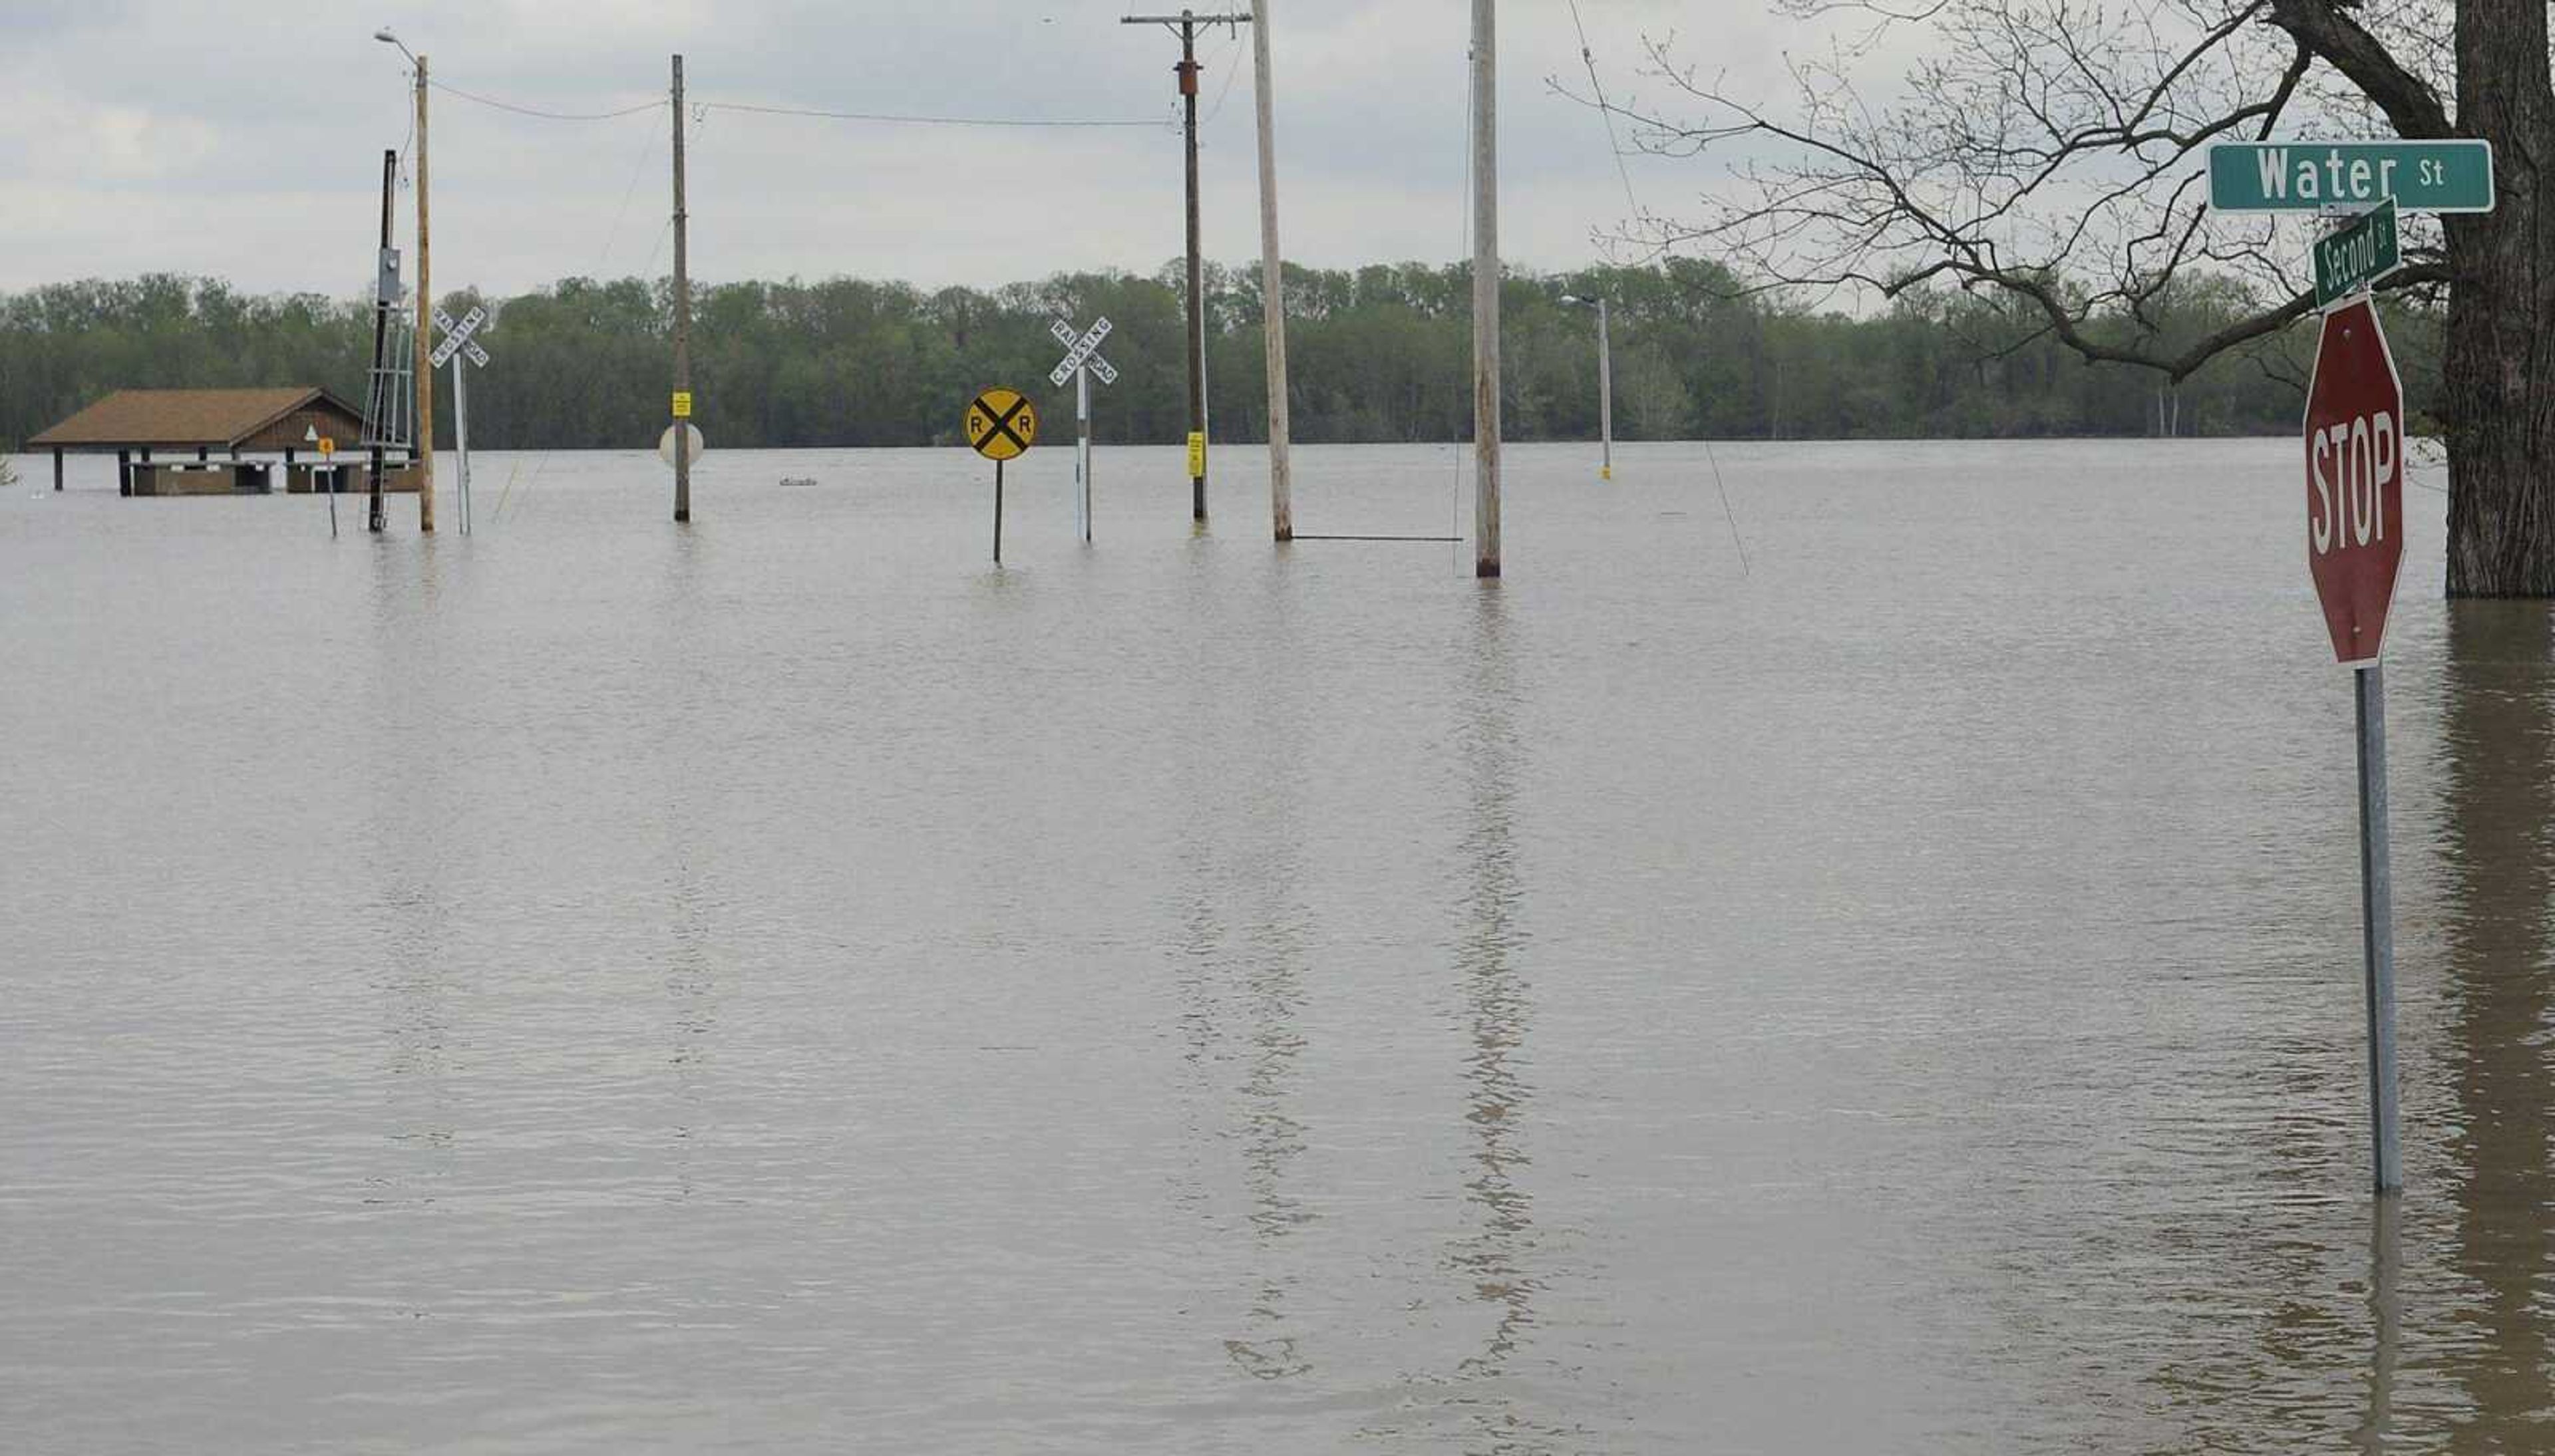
<point>2499,746</point>
<point>692,983</point>
<point>401,878</point>
<point>2386,1323</point>
<point>1243,994</point>
<point>1496,1257</point>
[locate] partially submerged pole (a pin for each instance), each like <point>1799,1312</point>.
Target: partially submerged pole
<point>1605,396</point>
<point>1197,287</point>
<point>2378,927</point>
<point>683,316</point>
<point>1186,25</point>
<point>1082,448</point>
<point>461,433</point>
<point>425,455</point>
<point>381,405</point>
<point>1272,286</point>
<point>1486,292</point>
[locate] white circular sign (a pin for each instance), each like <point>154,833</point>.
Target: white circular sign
<point>692,445</point>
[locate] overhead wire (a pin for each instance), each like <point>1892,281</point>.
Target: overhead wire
<point>1613,141</point>
<point>904,119</point>
<point>1232,69</point>
<point>611,240</point>
<point>1597,86</point>
<point>542,113</point>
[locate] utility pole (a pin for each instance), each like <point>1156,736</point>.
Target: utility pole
<point>1605,396</point>
<point>1605,385</point>
<point>1272,286</point>
<point>383,406</point>
<point>1186,25</point>
<point>683,319</point>
<point>424,314</point>
<point>1486,292</point>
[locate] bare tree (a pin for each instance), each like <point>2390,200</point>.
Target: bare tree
<point>2052,151</point>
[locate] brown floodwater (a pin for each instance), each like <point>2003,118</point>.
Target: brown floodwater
<point>789,985</point>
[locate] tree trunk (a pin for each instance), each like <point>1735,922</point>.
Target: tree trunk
<point>2498,383</point>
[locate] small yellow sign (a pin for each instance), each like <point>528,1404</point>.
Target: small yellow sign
<point>683,404</point>
<point>1197,453</point>
<point>1001,425</point>
<point>327,447</point>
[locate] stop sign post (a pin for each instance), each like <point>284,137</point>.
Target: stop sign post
<point>2354,468</point>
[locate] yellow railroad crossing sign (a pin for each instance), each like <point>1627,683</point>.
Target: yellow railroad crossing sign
<point>1001,425</point>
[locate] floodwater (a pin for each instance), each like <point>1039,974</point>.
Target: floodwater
<point>787,985</point>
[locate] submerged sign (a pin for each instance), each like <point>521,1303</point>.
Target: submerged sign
<point>2308,176</point>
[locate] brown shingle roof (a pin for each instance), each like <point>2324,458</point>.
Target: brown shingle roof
<point>181,419</point>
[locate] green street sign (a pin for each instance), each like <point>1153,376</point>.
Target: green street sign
<point>2359,254</point>
<point>2309,176</point>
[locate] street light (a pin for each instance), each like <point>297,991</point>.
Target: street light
<point>385,38</point>
<point>1605,385</point>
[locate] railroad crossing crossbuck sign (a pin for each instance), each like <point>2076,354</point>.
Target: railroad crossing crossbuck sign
<point>1082,354</point>
<point>1001,425</point>
<point>457,338</point>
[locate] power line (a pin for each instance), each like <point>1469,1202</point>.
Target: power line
<point>544,115</point>
<point>900,119</point>
<point>1614,143</point>
<point>1605,109</point>
<point>1231,70</point>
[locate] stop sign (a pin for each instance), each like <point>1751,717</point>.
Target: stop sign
<point>2354,480</point>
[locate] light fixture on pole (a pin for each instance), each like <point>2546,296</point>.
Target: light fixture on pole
<point>1605,385</point>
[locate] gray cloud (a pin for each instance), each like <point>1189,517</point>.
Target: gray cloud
<point>243,140</point>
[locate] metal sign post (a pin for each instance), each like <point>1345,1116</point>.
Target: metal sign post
<point>2354,468</point>
<point>1001,427</point>
<point>1081,361</point>
<point>2354,473</point>
<point>457,340</point>
<point>327,474</point>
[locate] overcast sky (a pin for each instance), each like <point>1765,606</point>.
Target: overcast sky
<point>243,139</point>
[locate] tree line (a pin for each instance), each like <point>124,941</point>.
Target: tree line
<point>1376,353</point>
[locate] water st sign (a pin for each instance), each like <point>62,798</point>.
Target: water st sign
<point>2309,176</point>
<point>2355,459</point>
<point>2362,252</point>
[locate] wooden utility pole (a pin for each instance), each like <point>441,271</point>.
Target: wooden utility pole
<point>380,399</point>
<point>425,455</point>
<point>1186,25</point>
<point>1486,292</point>
<point>683,319</point>
<point>1272,286</point>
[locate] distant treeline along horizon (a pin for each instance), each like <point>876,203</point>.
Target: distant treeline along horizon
<point>1377,353</point>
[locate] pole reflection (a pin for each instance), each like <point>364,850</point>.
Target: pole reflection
<point>2376,1430</point>
<point>1243,941</point>
<point>691,971</point>
<point>1496,1257</point>
<point>406,776</point>
<point>2500,747</point>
